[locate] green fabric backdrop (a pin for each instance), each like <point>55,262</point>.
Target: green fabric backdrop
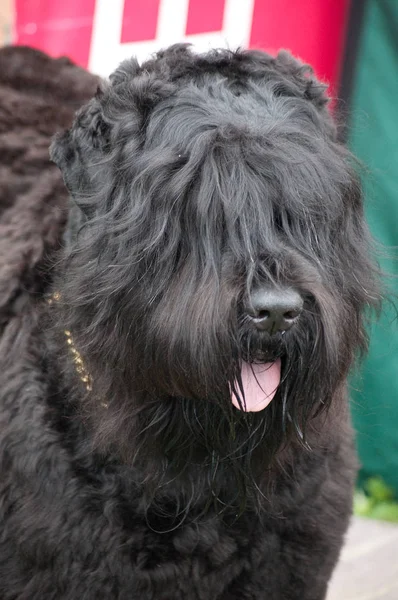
<point>374,139</point>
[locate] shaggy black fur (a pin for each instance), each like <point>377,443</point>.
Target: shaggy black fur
<point>195,180</point>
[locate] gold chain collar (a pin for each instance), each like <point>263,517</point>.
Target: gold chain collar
<point>80,367</point>
<point>77,359</point>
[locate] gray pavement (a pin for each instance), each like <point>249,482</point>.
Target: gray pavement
<point>368,567</point>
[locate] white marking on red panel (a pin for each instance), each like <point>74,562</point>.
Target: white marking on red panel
<point>107,50</point>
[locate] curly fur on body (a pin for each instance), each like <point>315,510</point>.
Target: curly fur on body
<point>193,180</point>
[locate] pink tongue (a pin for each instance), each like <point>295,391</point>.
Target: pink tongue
<point>260,382</point>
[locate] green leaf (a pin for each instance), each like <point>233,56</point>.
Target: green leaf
<point>362,504</point>
<point>378,490</point>
<point>385,511</point>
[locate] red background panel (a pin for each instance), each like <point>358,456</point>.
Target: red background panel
<point>58,27</point>
<point>313,30</point>
<point>205,16</point>
<point>140,19</point>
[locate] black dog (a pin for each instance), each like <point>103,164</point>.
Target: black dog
<point>174,420</point>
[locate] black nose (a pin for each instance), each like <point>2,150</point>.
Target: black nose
<point>274,310</point>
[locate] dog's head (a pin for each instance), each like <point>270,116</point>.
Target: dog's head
<point>217,266</point>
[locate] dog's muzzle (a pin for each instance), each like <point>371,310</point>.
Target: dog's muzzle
<point>270,311</point>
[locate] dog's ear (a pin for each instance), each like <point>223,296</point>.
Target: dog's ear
<point>303,77</point>
<point>298,79</point>
<point>79,152</point>
<point>73,150</point>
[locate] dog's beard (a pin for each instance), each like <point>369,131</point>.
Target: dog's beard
<point>220,455</point>
<point>214,453</point>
